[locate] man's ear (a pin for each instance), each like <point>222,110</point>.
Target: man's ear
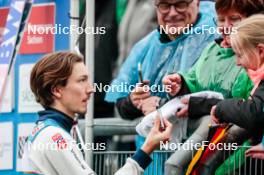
<point>56,91</point>
<point>198,3</point>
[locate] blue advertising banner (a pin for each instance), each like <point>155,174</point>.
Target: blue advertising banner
<point>11,31</point>
<point>14,27</point>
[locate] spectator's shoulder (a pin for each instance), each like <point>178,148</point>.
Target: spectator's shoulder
<point>148,38</point>
<point>210,47</point>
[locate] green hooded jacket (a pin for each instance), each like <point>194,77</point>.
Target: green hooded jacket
<point>216,70</point>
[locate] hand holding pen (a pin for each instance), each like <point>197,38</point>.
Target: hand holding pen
<point>141,91</point>
<point>160,116</point>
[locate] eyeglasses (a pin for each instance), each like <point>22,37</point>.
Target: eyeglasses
<point>164,7</point>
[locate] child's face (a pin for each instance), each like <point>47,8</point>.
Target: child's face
<point>242,60</point>
<point>248,58</point>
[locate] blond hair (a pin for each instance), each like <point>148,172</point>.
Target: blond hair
<point>248,34</point>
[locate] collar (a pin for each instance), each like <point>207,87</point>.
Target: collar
<point>164,38</point>
<point>256,76</point>
<point>65,121</point>
<point>228,52</point>
<point>219,40</point>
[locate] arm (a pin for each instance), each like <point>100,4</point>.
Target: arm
<point>248,114</point>
<point>127,110</point>
<point>200,106</point>
<point>190,77</point>
<point>242,86</point>
<point>140,160</point>
<point>136,164</point>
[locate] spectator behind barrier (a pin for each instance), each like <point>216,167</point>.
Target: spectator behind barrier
<point>160,53</point>
<point>248,44</point>
<point>215,70</point>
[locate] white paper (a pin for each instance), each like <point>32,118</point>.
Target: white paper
<point>169,110</point>
<point>6,146</point>
<point>24,129</point>
<point>26,101</point>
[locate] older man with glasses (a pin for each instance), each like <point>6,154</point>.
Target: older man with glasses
<point>167,49</point>
<point>174,46</point>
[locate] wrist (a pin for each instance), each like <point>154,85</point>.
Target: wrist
<point>147,148</point>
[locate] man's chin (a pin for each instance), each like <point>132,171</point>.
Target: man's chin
<point>81,114</point>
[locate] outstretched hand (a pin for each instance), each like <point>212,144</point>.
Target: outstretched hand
<point>156,135</point>
<point>256,152</point>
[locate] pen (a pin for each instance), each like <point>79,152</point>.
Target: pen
<point>161,119</point>
<point>140,76</point>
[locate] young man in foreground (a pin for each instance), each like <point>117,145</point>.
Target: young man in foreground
<point>60,83</point>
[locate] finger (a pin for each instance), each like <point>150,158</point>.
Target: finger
<point>135,98</point>
<point>182,112</point>
<point>258,155</point>
<point>255,152</point>
<point>168,125</point>
<point>142,96</point>
<point>185,100</point>
<point>248,152</point>
<point>256,148</point>
<point>166,134</point>
<point>139,106</point>
<point>140,90</point>
<point>175,88</point>
<point>146,82</point>
<point>166,80</point>
<point>175,78</point>
<point>157,123</point>
<point>213,110</point>
<point>175,85</point>
<point>251,151</point>
<point>215,120</point>
<point>146,110</point>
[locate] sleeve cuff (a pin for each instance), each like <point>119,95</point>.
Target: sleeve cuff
<point>218,113</point>
<point>142,159</point>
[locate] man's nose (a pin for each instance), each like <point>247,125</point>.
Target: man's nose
<point>90,89</point>
<point>228,24</point>
<point>173,11</point>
